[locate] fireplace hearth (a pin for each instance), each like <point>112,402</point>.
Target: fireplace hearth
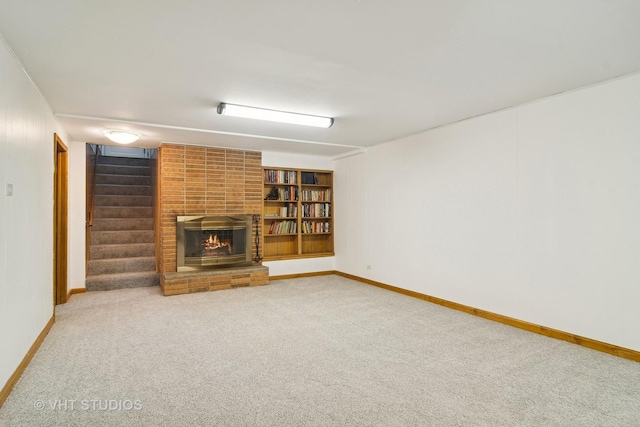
<point>207,242</point>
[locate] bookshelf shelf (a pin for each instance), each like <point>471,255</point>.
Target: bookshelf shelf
<point>300,202</point>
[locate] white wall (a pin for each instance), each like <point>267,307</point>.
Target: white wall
<point>26,218</point>
<point>531,212</point>
<point>297,161</point>
<point>294,161</point>
<point>77,214</point>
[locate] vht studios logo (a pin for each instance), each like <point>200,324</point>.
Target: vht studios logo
<point>62,405</point>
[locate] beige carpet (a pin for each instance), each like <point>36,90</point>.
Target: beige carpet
<point>322,351</point>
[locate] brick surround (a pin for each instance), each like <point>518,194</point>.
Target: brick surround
<point>205,181</point>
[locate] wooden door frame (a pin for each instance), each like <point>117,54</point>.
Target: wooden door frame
<point>60,219</point>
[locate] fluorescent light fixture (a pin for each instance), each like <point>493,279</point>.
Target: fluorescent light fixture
<point>273,115</point>
<point>121,136</point>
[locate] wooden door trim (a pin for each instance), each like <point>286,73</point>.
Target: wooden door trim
<point>60,219</point>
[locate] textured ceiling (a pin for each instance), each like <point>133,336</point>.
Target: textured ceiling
<point>382,69</point>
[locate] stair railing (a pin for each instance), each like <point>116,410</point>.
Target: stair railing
<point>93,152</point>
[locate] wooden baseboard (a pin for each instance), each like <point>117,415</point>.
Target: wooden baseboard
<point>4,393</point>
<point>516,323</point>
<point>296,276</point>
<point>74,291</point>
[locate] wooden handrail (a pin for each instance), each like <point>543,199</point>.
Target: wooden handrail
<point>93,186</point>
<point>91,197</point>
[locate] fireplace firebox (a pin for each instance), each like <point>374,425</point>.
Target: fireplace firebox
<point>205,242</point>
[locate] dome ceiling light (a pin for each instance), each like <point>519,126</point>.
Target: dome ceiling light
<point>121,136</point>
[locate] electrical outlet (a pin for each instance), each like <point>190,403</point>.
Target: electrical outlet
<point>9,190</point>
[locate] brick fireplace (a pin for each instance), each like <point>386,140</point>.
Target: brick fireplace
<point>206,181</point>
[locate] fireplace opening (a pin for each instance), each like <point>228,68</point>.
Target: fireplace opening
<point>203,243</point>
<point>210,242</point>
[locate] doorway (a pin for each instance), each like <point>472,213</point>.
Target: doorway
<point>60,219</point>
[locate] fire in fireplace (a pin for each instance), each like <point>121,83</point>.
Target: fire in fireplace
<point>210,242</point>
<point>213,246</point>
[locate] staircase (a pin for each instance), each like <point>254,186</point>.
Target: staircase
<point>122,252</point>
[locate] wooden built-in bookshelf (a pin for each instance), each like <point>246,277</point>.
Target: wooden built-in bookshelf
<point>297,213</point>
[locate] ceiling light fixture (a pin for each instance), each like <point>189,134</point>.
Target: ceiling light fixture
<point>121,136</point>
<point>273,115</point>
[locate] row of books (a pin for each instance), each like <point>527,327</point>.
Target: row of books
<point>272,176</point>
<point>290,210</point>
<point>309,178</point>
<point>310,227</point>
<point>317,195</point>
<point>316,209</point>
<point>283,227</point>
<point>288,193</point>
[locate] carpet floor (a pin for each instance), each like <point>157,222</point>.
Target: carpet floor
<point>318,351</point>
